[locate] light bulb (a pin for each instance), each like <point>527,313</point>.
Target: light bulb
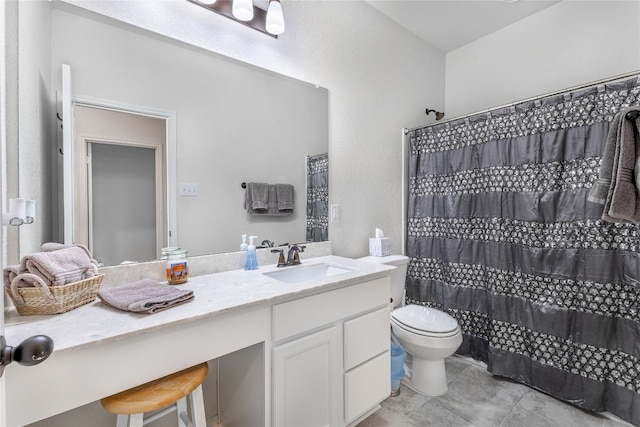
<point>275,19</point>
<point>209,2</point>
<point>17,211</point>
<point>30,211</point>
<point>243,10</point>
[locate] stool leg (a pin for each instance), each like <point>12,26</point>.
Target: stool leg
<point>196,399</point>
<point>181,408</point>
<point>133,420</point>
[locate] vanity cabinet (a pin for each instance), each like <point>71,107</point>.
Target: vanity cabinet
<point>366,355</point>
<point>305,375</point>
<point>331,362</point>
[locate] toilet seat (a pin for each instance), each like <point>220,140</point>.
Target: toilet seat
<point>425,321</point>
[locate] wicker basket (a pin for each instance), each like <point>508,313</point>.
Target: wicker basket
<point>45,299</point>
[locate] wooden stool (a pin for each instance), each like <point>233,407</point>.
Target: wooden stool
<point>174,390</point>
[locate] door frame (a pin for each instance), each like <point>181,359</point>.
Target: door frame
<point>170,150</point>
<point>4,123</point>
<point>85,200</point>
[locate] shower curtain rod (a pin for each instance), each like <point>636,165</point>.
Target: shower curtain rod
<point>533,98</point>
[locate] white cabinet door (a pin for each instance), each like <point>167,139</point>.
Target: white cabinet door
<point>305,378</point>
<point>366,386</point>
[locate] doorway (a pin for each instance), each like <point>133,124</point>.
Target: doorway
<point>121,184</point>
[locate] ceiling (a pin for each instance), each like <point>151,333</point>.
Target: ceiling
<point>448,25</point>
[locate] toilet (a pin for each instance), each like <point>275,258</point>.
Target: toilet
<point>427,335</point>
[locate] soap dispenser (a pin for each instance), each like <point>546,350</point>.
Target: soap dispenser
<point>243,250</point>
<point>252,261</point>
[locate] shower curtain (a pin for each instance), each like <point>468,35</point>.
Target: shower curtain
<point>318,198</point>
<point>501,237</point>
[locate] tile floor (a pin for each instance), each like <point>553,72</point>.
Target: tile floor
<point>476,398</point>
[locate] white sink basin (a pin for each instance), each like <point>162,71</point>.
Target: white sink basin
<point>303,273</point>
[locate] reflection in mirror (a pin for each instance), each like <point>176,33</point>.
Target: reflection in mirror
<point>234,123</point>
<point>120,191</point>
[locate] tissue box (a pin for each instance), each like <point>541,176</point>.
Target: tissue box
<point>380,247</point>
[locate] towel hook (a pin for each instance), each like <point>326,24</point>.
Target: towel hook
<point>633,116</point>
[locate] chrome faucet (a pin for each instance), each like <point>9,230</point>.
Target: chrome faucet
<point>281,261</point>
<point>293,257</point>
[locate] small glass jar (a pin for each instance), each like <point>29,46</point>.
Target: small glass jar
<point>164,252</point>
<point>177,267</point>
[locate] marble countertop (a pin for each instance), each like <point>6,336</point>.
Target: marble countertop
<point>215,294</point>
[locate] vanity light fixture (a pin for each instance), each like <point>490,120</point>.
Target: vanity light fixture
<point>268,20</point>
<point>275,18</point>
<point>21,211</point>
<point>242,10</point>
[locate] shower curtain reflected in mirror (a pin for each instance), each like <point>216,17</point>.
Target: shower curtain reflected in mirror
<point>501,236</point>
<point>318,198</point>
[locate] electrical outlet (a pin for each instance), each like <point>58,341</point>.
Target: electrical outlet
<point>335,213</point>
<point>188,189</point>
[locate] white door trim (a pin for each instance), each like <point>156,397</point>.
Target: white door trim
<point>171,150</point>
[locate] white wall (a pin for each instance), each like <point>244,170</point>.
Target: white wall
<point>31,139</point>
<point>380,79</point>
<point>565,45</point>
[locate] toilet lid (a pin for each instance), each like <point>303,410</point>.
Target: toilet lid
<point>394,260</point>
<point>425,319</point>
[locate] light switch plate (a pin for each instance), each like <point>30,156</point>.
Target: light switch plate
<point>188,189</point>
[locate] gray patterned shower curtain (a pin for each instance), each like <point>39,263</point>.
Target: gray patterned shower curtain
<point>318,198</point>
<point>501,236</point>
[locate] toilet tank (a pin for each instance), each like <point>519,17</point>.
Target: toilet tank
<point>398,275</point>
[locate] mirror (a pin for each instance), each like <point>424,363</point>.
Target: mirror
<point>234,122</point>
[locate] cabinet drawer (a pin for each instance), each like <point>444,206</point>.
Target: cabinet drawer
<point>366,386</point>
<point>306,314</point>
<point>366,336</point>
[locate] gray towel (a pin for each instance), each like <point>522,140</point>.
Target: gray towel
<point>258,193</point>
<point>600,190</point>
<point>623,202</point>
<point>272,204</point>
<point>144,296</point>
<point>59,267</point>
<point>284,194</point>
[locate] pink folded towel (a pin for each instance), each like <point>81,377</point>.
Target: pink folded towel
<point>59,267</point>
<point>54,246</point>
<point>144,296</point>
<point>11,271</point>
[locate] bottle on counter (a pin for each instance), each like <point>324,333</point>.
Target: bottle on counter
<point>243,249</point>
<point>177,267</point>
<point>252,261</point>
